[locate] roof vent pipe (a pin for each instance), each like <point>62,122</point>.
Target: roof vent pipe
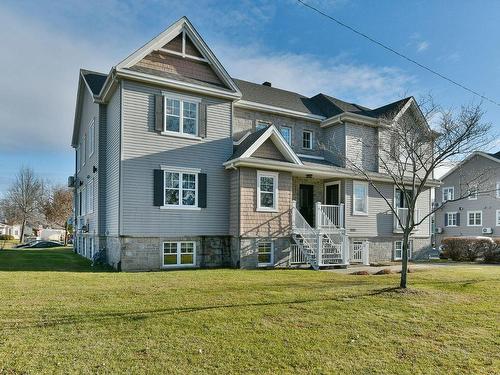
<point>267,83</point>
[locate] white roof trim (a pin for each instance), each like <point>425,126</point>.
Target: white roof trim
<point>278,141</point>
<point>238,142</point>
<point>475,153</point>
<point>278,110</point>
<point>182,25</point>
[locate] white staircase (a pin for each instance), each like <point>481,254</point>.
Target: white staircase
<point>324,246</point>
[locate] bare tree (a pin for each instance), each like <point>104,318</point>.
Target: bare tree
<point>23,200</point>
<point>414,140</point>
<point>57,207</point>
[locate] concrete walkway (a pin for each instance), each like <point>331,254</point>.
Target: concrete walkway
<point>397,267</point>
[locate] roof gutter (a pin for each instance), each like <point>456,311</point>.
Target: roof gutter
<point>321,171</point>
<point>353,117</point>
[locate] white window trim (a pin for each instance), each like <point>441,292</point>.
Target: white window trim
<point>90,192</point>
<point>180,206</point>
<point>410,249</point>
<point>468,219</point>
<point>452,188</point>
<point>354,212</point>
<point>311,139</point>
<point>271,263</point>
<point>181,99</point>
<point>291,137</point>
<point>178,243</point>
<point>91,137</point>
<point>274,176</point>
<point>497,218</point>
<point>84,150</point>
<point>263,122</point>
<point>84,201</point>
<point>472,196</point>
<point>448,218</point>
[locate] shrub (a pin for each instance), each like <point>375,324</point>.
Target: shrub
<point>454,248</point>
<point>491,254</point>
<point>6,237</point>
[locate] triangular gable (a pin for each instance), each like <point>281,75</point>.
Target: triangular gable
<point>466,160</point>
<point>180,52</point>
<point>270,145</point>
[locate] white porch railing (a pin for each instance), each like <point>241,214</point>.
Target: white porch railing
<point>329,216</point>
<point>403,216</point>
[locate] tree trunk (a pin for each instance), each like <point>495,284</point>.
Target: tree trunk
<point>404,263</point>
<point>21,237</point>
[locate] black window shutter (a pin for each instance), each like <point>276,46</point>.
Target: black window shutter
<point>159,117</point>
<point>202,119</point>
<point>458,219</point>
<point>158,192</point>
<point>202,190</point>
<point>445,220</point>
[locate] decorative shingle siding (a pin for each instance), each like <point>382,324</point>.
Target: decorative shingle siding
<point>144,150</point>
<point>268,150</point>
<point>163,62</point>
<point>361,146</point>
<point>264,224</point>
<point>246,120</point>
<point>334,144</point>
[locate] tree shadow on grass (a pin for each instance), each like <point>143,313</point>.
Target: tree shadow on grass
<point>60,259</point>
<point>146,314</point>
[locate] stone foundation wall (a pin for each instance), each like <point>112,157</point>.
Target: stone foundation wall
<point>249,252</point>
<point>381,249</point>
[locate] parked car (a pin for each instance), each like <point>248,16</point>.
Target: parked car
<point>40,244</point>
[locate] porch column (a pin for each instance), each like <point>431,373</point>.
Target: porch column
<point>318,215</point>
<point>294,207</point>
<point>341,215</point>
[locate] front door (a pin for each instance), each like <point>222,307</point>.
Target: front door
<point>332,194</point>
<point>306,203</point>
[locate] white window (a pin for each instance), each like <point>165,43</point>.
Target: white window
<point>91,247</point>
<point>398,250</point>
<point>179,253</point>
<point>360,198</point>
<point>181,189</point>
<point>474,218</point>
<point>472,194</point>
<point>265,253</point>
<point>181,115</point>
<point>267,191</point>
<point>84,149</point>
<point>286,132</point>
<point>90,197</point>
<point>91,140</point>
<point>307,139</point>
<point>498,218</point>
<point>451,220</point>
<point>261,125</point>
<point>448,193</point>
<point>84,246</point>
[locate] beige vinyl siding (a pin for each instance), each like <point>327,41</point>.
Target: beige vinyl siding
<point>112,166</point>
<point>145,150</point>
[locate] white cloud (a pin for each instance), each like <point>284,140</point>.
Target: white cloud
<point>422,46</point>
<point>362,83</point>
<point>39,76</point>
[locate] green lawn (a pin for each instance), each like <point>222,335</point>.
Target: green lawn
<point>78,319</point>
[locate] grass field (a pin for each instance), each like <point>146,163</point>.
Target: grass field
<point>57,315</point>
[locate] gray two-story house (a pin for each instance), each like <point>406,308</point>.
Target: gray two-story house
<point>469,198</point>
<point>180,165</point>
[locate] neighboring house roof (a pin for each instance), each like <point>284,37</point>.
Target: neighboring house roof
<point>94,80</point>
<point>495,157</point>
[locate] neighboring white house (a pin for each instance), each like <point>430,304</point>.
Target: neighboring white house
<point>13,230</point>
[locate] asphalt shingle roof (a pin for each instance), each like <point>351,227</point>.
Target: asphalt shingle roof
<point>240,149</point>
<point>496,155</point>
<point>95,80</point>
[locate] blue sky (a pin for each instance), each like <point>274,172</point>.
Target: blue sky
<point>279,41</point>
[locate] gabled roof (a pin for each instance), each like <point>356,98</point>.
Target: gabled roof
<point>183,25</point>
<point>494,157</point>
<point>254,140</point>
<point>93,80</point>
